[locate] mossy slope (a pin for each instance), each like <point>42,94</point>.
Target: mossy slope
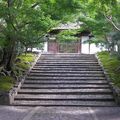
<point>112,66</point>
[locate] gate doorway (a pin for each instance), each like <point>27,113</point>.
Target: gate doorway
<point>68,47</point>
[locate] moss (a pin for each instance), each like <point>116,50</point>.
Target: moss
<point>111,64</point>
<point>27,58</point>
<point>6,83</point>
<point>26,61</point>
<point>23,65</point>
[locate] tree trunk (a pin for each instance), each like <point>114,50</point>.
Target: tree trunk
<point>31,49</point>
<point>10,60</point>
<point>107,43</point>
<point>1,56</point>
<point>9,55</point>
<point>26,48</point>
<point>10,47</point>
<point>112,49</point>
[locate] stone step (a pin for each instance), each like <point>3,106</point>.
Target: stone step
<point>75,103</point>
<point>72,54</point>
<point>64,78</point>
<point>67,57</point>
<point>66,75</point>
<point>67,69</point>
<point>64,97</point>
<point>74,86</point>
<point>66,72</point>
<point>67,66</point>
<point>65,62</point>
<point>87,67</point>
<point>65,82</point>
<point>65,91</point>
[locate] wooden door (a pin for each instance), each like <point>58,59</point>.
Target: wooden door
<point>68,47</point>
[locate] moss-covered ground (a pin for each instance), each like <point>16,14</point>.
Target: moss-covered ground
<point>26,60</point>
<point>112,66</point>
<point>6,82</point>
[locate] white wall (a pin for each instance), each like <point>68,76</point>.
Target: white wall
<point>94,49</point>
<point>45,48</point>
<point>85,47</point>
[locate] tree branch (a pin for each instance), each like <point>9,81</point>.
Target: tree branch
<point>14,27</point>
<point>112,22</point>
<point>34,5</point>
<point>10,3</point>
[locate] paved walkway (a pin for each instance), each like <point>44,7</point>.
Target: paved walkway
<point>59,113</point>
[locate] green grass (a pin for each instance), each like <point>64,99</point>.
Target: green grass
<point>111,64</point>
<point>6,82</point>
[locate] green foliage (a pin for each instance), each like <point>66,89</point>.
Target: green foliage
<point>116,36</point>
<point>111,64</point>
<point>59,10</point>
<point>27,21</point>
<point>67,36</point>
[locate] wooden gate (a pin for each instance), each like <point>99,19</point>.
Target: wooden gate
<point>68,47</point>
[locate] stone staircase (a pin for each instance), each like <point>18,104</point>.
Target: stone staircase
<point>65,80</point>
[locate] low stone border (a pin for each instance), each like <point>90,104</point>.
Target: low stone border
<point>7,98</point>
<point>115,90</point>
<point>4,98</point>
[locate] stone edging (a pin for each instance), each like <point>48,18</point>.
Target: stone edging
<point>13,92</point>
<point>115,90</point>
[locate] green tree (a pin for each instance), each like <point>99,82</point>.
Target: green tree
<point>27,21</point>
<point>66,36</point>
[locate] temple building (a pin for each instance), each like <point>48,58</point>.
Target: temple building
<point>53,46</point>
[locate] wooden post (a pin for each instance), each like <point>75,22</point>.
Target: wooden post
<point>79,46</point>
